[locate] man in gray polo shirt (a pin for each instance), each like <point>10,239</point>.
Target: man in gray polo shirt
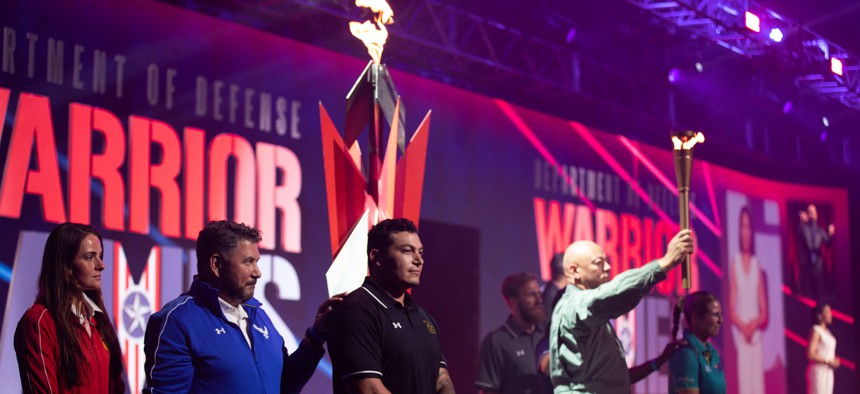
<point>585,354</point>
<point>508,354</point>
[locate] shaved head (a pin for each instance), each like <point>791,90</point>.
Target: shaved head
<point>586,265</point>
<point>578,253</point>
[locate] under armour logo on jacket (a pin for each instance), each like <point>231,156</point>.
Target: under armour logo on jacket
<point>220,330</point>
<point>396,324</point>
<point>264,331</point>
<point>521,353</point>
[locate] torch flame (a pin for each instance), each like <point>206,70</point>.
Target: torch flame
<point>687,142</point>
<point>383,11</point>
<point>373,33</point>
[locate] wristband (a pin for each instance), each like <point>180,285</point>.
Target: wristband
<point>654,366</point>
<point>314,336</point>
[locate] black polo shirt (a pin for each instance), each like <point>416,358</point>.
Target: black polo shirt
<point>508,360</point>
<point>374,336</point>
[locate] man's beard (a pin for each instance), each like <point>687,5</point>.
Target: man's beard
<point>535,315</point>
<point>241,294</point>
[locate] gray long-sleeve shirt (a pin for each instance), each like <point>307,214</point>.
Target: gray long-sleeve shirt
<point>585,354</point>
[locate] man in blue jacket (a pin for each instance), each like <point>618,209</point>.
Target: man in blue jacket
<point>216,338</point>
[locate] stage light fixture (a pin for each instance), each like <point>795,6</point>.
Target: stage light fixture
<point>825,121</point>
<point>674,75</point>
<point>836,66</point>
<point>787,107</point>
<point>776,34</point>
<point>700,67</point>
<point>753,22</point>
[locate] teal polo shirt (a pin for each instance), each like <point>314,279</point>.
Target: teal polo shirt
<point>696,366</point>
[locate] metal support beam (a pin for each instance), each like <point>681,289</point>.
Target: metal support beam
<point>446,42</point>
<point>722,21</point>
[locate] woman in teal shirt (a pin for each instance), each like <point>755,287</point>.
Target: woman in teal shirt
<point>696,367</point>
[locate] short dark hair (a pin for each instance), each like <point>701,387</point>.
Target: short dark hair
<point>222,236</point>
<point>513,283</point>
<point>379,237</point>
<point>556,265</point>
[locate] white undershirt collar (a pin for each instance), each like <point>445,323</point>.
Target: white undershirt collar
<point>236,315</point>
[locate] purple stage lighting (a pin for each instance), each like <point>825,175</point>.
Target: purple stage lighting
<point>776,35</point>
<point>787,107</point>
<point>836,65</point>
<point>674,75</point>
<point>823,136</point>
<point>571,35</point>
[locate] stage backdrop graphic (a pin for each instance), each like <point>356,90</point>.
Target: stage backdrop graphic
<point>147,120</point>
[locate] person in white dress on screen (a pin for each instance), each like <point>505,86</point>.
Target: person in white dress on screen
<point>748,310</point>
<point>821,352</point>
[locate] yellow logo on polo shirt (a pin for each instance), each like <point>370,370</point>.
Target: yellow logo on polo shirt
<point>430,327</point>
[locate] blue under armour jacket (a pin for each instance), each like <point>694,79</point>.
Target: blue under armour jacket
<point>191,347</point>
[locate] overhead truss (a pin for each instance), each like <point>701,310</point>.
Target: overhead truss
<point>436,40</point>
<point>802,50</point>
<point>449,43</point>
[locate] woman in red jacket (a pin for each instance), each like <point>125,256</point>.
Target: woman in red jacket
<point>65,342</point>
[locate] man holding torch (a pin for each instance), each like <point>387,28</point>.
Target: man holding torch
<point>585,354</point>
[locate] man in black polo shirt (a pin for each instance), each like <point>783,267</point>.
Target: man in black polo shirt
<point>380,341</point>
<point>508,353</point>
